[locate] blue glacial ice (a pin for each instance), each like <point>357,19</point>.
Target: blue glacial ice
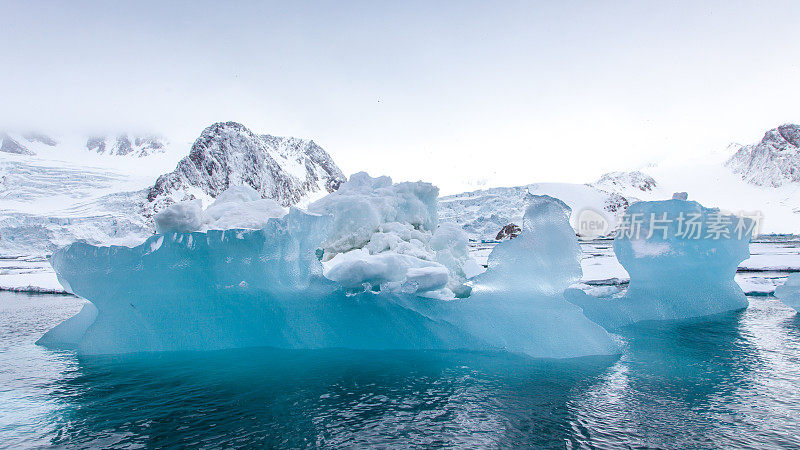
<point>789,292</point>
<point>681,258</point>
<point>400,282</point>
<point>518,303</point>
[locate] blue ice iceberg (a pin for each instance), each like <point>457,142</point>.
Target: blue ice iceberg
<point>222,288</point>
<point>519,304</point>
<point>240,288</point>
<point>789,292</point>
<point>682,259</point>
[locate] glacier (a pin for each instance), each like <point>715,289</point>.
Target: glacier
<point>216,289</point>
<point>789,292</point>
<point>682,259</point>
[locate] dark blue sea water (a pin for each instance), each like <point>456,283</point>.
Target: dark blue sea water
<point>730,381</point>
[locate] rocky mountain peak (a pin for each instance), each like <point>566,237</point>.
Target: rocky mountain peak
<point>774,161</point>
<point>229,154</point>
<point>11,145</point>
<point>783,137</point>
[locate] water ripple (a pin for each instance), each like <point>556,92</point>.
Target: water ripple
<point>727,381</point>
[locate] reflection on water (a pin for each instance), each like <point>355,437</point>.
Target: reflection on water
<point>733,380</point>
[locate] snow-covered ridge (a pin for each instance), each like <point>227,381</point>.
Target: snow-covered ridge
<point>638,180</point>
<point>20,144</point>
<point>287,170</point>
<point>761,179</point>
<point>124,144</point>
<point>774,161</point>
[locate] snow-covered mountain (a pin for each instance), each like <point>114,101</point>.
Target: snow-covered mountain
<point>20,144</point>
<point>121,144</point>
<point>54,190</point>
<point>62,189</point>
<point>775,161</point>
<point>614,181</point>
<point>124,144</point>
<point>288,170</point>
<point>760,180</point>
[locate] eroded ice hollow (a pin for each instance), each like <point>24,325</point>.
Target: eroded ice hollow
<point>395,280</point>
<point>682,259</point>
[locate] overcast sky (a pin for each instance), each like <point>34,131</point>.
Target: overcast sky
<point>463,94</point>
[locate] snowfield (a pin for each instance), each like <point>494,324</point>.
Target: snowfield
<point>66,192</point>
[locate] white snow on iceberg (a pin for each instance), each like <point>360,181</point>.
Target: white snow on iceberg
<point>236,207</point>
<point>385,237</point>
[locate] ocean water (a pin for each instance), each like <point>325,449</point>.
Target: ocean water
<point>727,381</point>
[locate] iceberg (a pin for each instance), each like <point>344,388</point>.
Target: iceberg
<point>682,259</point>
<point>217,289</point>
<point>519,303</point>
<point>789,292</point>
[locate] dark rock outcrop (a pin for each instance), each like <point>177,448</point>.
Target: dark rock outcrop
<point>124,144</point>
<point>509,231</point>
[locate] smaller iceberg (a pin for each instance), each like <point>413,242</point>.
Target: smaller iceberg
<point>789,292</point>
<point>682,259</point>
